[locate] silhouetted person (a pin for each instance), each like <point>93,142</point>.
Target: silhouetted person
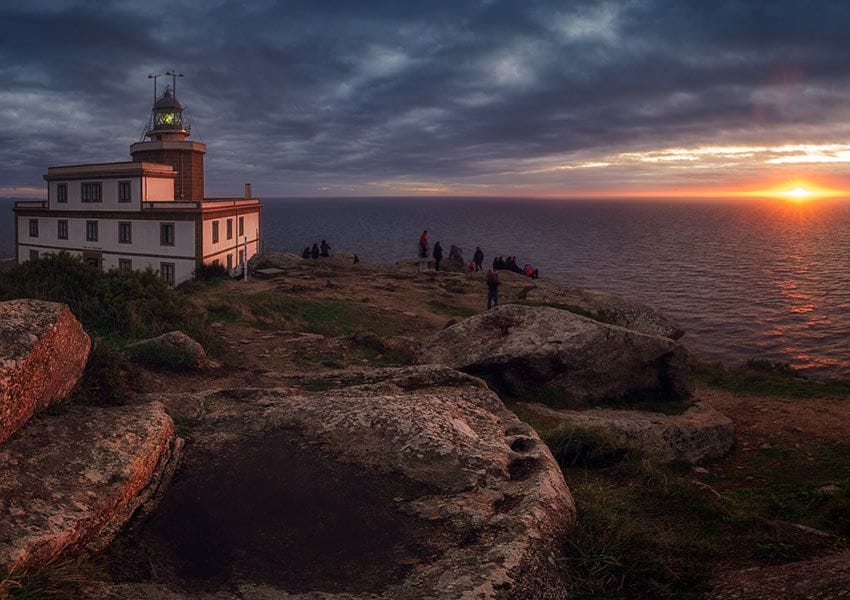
<point>356,259</point>
<point>314,253</point>
<point>326,249</point>
<point>423,250</point>
<point>492,289</point>
<point>478,258</point>
<point>438,255</point>
<point>306,253</point>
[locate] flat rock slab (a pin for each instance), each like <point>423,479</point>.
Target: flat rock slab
<point>43,351</point>
<point>824,578</point>
<point>393,484</point>
<point>700,433</point>
<point>571,360</point>
<point>68,482</point>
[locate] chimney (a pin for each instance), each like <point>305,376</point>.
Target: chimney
<point>248,191</point>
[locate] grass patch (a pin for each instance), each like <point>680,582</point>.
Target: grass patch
<point>454,311</point>
<point>185,426</point>
<point>158,356</point>
<point>809,485</point>
<point>58,580</point>
<point>324,316</point>
<point>586,447</point>
<point>647,531</point>
<point>759,377</point>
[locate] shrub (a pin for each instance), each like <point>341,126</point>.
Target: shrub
<point>109,377</point>
<point>208,272</point>
<point>115,304</point>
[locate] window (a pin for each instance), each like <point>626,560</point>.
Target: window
<point>230,229</point>
<point>33,227</point>
<point>241,257</point>
<point>229,261</point>
<point>93,262</point>
<point>91,192</point>
<point>125,264</point>
<point>215,232</point>
<point>62,229</point>
<point>124,191</point>
<point>61,192</point>
<point>241,226</point>
<point>91,231</point>
<point>33,254</point>
<point>125,233</point>
<point>166,234</point>
<point>166,271</point>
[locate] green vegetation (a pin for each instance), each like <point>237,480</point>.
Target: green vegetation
<point>210,272</point>
<point>162,357</point>
<point>808,485</point>
<point>454,311</point>
<point>114,307</point>
<point>646,530</point>
<point>109,376</point>
<point>760,377</point>
<point>114,304</point>
<point>60,581</point>
<point>324,316</point>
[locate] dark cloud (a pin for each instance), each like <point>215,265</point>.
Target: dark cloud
<point>391,97</point>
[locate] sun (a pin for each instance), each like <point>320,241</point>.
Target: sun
<point>799,193</point>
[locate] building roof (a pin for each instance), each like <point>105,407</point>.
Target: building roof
<point>115,169</point>
<point>167,101</point>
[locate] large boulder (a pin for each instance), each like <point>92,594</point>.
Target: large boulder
<point>700,433</point>
<point>174,345</point>
<point>43,351</point>
<point>68,482</point>
<point>600,306</point>
<point>570,360</point>
<point>391,484</point>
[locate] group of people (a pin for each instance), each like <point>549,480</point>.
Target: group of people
<point>510,264</point>
<point>500,263</point>
<point>317,250</point>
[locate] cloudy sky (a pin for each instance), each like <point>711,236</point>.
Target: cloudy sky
<point>485,97</point>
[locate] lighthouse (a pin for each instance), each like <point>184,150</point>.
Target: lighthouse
<point>167,144</point>
<point>148,213</point>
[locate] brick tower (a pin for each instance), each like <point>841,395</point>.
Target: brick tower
<point>168,145</point>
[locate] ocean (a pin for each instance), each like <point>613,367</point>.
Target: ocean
<point>747,279</point>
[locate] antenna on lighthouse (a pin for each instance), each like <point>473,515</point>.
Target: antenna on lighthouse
<point>174,75</point>
<point>154,76</point>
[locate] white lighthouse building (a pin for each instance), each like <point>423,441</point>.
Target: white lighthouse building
<point>150,212</point>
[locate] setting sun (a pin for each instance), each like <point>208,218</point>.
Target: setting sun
<point>798,193</point>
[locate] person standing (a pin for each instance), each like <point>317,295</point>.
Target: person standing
<point>326,249</point>
<point>438,255</point>
<point>314,253</point>
<point>423,250</point>
<point>492,289</point>
<point>478,258</point>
